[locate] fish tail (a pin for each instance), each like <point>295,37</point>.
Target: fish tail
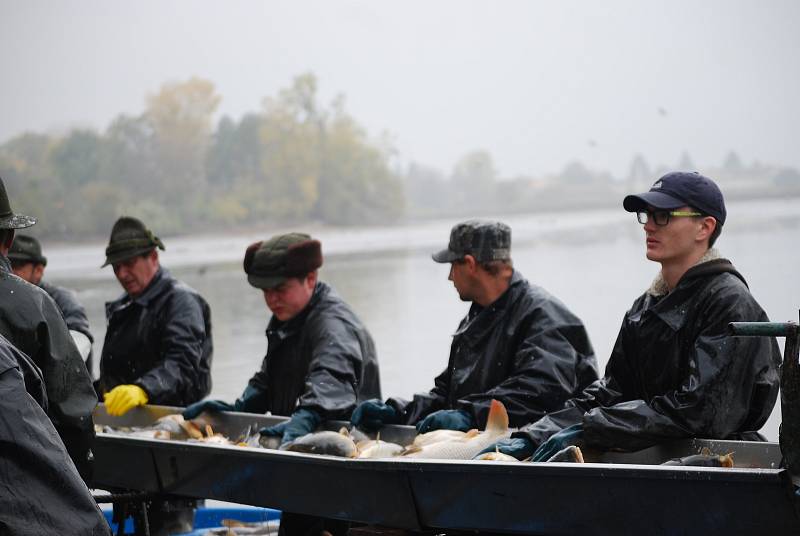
<point>497,421</point>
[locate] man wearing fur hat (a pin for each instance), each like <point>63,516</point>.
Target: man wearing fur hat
<point>31,321</point>
<point>674,372</point>
<point>28,263</point>
<point>320,360</point>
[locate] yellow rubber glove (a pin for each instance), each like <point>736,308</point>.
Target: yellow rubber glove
<point>122,398</point>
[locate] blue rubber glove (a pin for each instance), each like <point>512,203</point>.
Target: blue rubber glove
<point>446,419</point>
<point>302,422</point>
<point>211,406</point>
<point>253,400</point>
<point>518,447</point>
<point>572,435</point>
<point>373,414</point>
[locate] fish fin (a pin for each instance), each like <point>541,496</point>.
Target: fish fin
<point>344,431</point>
<point>209,431</point>
<point>378,437</point>
<point>726,460</point>
<point>497,422</point>
<point>469,435</point>
<point>411,449</point>
<point>579,455</point>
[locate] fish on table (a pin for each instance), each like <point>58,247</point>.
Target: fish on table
<point>471,443</point>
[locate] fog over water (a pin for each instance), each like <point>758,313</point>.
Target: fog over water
<point>593,261</point>
<point>537,84</point>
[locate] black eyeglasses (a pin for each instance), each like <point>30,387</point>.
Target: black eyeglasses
<point>661,217</point>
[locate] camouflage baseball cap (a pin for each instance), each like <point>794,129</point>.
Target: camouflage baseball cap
<point>9,220</point>
<point>129,238</point>
<point>271,262</point>
<point>26,249</point>
<point>485,240</point>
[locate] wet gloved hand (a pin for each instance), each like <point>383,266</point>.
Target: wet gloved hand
<point>251,401</point>
<point>302,422</point>
<point>518,447</point>
<point>446,419</point>
<point>123,398</point>
<point>373,414</point>
<point>572,435</point>
<point>211,406</point>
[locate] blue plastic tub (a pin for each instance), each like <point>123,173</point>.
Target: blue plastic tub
<point>211,517</point>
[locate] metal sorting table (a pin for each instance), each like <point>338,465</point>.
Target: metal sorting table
<point>618,493</point>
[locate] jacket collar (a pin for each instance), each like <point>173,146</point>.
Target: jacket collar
<point>659,286</point>
<point>481,320</point>
<point>5,264</point>
<point>671,307</point>
<point>156,287</point>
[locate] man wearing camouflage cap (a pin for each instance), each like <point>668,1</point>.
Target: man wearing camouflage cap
<point>31,321</point>
<point>320,360</point>
<point>28,263</point>
<point>518,344</point>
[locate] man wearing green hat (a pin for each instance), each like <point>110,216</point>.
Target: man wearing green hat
<point>158,345</point>
<point>31,321</point>
<point>320,360</point>
<point>28,263</point>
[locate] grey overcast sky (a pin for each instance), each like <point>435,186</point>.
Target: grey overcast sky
<point>536,84</point>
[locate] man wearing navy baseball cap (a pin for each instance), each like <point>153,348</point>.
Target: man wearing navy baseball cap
<point>675,371</point>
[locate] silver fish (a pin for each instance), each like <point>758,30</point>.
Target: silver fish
<point>330,443</point>
<point>473,441</point>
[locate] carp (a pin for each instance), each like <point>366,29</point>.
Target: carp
<point>375,448</point>
<point>331,443</point>
<point>468,446</point>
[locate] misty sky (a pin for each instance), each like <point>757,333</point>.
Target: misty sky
<point>536,84</point>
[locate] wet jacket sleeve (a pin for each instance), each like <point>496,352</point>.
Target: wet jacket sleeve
<point>543,374</point>
<point>713,400</point>
<point>71,397</point>
<point>49,496</point>
<point>182,348</point>
<point>336,360</point>
<point>603,392</point>
<point>71,309</point>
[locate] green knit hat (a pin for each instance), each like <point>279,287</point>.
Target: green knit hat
<point>270,263</point>
<point>129,238</point>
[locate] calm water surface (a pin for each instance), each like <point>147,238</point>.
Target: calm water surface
<point>593,261</point>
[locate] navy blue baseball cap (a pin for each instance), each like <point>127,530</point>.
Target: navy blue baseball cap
<point>681,188</point>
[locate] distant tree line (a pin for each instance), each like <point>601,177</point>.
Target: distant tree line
<point>294,161</point>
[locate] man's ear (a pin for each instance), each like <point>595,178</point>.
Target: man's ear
<point>471,263</point>
<point>707,228</point>
<point>311,279</point>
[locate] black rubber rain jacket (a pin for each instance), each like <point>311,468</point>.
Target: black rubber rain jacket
<point>40,489</point>
<point>31,321</point>
<point>71,309</point>
<point>323,360</point>
<point>160,341</point>
<point>675,372</point>
<point>526,350</point>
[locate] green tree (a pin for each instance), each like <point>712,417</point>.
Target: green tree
<point>180,117</point>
